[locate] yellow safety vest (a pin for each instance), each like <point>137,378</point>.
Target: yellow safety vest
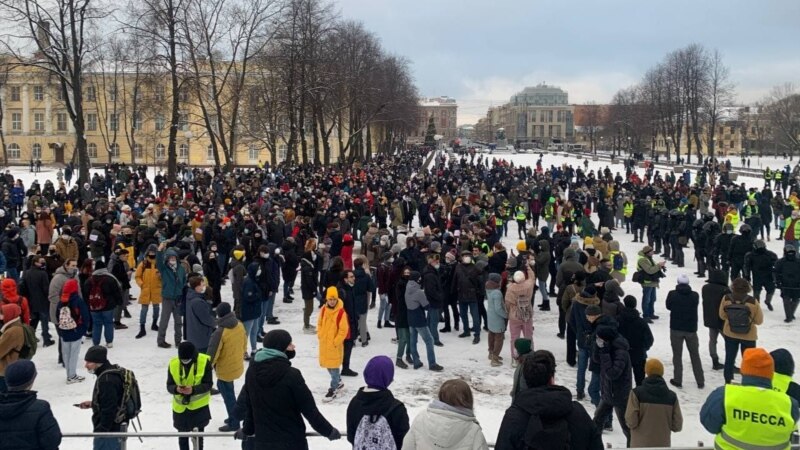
<point>778,175</point>
<point>755,419</point>
<point>190,378</point>
<point>767,174</point>
<point>734,218</point>
<point>750,211</point>
<point>628,210</point>
<point>624,269</point>
<point>498,221</point>
<point>781,382</point>
<point>521,213</point>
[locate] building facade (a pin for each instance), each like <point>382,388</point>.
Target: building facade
<point>444,111</point>
<point>539,115</point>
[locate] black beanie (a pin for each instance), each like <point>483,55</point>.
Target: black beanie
<point>186,350</point>
<point>223,309</point>
<point>784,363</point>
<point>96,354</point>
<point>277,340</point>
<point>99,264</point>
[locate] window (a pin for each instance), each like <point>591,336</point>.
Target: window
<point>183,95</point>
<point>38,93</point>
<point>160,121</point>
<point>59,94</point>
<point>38,121</point>
<point>158,93</point>
<point>14,92</point>
<point>210,153</point>
<point>113,122</point>
<point>214,124</point>
<point>183,121</point>
<point>160,151</point>
<point>91,93</point>
<point>92,149</point>
<point>138,151</point>
<point>112,93</point>
<point>183,151</point>
<point>282,152</point>
<point>16,121</point>
<point>13,151</point>
<point>252,152</point>
<point>550,115</point>
<point>61,121</point>
<point>137,121</point>
<point>36,151</point>
<point>733,144</point>
<point>114,150</point>
<point>91,122</point>
<point>137,94</point>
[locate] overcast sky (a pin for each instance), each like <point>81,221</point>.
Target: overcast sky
<point>483,51</point>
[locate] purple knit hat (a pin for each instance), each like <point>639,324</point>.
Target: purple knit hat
<point>379,372</point>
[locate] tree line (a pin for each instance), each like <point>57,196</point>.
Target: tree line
<point>274,74</point>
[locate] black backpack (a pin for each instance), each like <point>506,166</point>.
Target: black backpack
<point>739,317</point>
<point>131,403</point>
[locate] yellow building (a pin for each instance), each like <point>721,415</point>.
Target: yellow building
<point>127,118</point>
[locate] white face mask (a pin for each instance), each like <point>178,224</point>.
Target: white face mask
<point>436,266</point>
<point>466,259</point>
<point>264,255</point>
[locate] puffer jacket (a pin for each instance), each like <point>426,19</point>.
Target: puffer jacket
<point>442,426</point>
<point>148,278</point>
<point>615,369</point>
<point>759,266</point>
<point>27,423</point>
<point>227,345</point>
<point>67,247</point>
<point>332,330</point>
<point>578,321</point>
<point>519,293</point>
<point>786,274</point>
<point>653,414</point>
<point>542,260</point>
<point>172,281</point>
<point>496,314</point>
<point>713,291</point>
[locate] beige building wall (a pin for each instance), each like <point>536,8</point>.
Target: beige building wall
<point>444,111</point>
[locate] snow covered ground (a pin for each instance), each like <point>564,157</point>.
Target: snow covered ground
<point>416,388</point>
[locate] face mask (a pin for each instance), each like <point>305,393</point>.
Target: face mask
<point>277,251</point>
<point>436,266</point>
<point>173,264</point>
<point>186,361</point>
<point>72,271</point>
<point>91,371</point>
<point>466,259</point>
<point>289,354</point>
<point>729,232</point>
<point>264,255</point>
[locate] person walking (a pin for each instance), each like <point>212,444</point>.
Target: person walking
<point>373,403</point>
<point>714,290</point>
<point>653,412</point>
<point>788,281</point>
<point>759,266</point>
<point>734,412</point>
<point>611,353</point>
<point>333,329</point>
<point>448,423</point>
<point>363,287</point>
<point>189,381</point>
<point>227,346</point>
<point>683,303</point>
<point>275,398</point>
<point>104,295</point>
<point>566,421</point>
<point>173,279</point>
<point>106,397</point>
<point>310,268</point>
<point>73,322</point>
<point>26,422</point>
<point>148,278</point>
<point>496,318</point>
<point>742,314</point>
<point>416,302</point>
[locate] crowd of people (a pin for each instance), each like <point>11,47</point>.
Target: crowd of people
<point>424,244</point>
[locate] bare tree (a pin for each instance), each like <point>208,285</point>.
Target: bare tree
<point>57,31</point>
<point>783,109</point>
<point>720,94</point>
<point>4,76</point>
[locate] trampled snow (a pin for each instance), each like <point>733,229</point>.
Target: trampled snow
<point>460,358</point>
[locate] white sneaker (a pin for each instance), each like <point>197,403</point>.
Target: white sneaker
<point>329,396</point>
<point>110,345</point>
<point>75,379</point>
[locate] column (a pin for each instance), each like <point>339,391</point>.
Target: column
<point>26,109</point>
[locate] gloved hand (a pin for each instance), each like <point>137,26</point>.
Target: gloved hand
<point>239,434</point>
<point>600,342</point>
<point>335,435</point>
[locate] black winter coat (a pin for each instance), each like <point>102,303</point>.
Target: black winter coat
<point>372,402</point>
<point>106,398</point>
<point>27,423</point>
<point>432,285</point>
<point>740,245</point>
<point>636,331</point>
<point>616,376</point>
<point>34,286</point>
<point>682,304</point>
<point>309,275</point>
<point>347,294</point>
<point>466,283</point>
<point>759,266</point>
<point>713,291</point>
<point>547,407</point>
<point>786,275</point>
<point>273,402</point>
<point>364,285</point>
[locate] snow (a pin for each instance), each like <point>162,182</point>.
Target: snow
<point>414,387</point>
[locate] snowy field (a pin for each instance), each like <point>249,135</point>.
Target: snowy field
<point>415,388</point>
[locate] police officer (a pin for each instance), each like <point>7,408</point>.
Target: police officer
<point>189,381</point>
<point>699,239</point>
<point>751,415</point>
<point>521,217</point>
<point>739,247</point>
<point>722,244</point>
<point>759,265</point>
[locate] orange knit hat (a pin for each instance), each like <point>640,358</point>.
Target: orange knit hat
<point>758,363</point>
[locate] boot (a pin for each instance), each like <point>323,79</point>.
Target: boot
<point>495,362</point>
<point>788,310</point>
<point>400,363</point>
<point>715,365</point>
<point>768,300</point>
<point>126,313</point>
<point>154,327</point>
<point>142,333</point>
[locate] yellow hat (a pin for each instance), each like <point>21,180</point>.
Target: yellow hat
<point>238,254</point>
<point>522,246</point>
<point>332,292</point>
<point>654,367</point>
